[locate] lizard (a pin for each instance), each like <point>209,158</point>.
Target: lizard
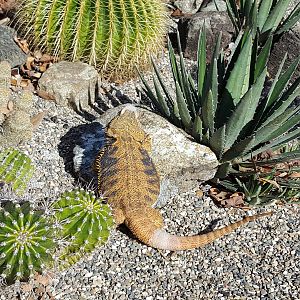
<point>127,177</point>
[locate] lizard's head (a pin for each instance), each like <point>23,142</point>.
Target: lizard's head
<point>126,124</point>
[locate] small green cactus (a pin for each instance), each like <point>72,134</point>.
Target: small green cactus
<point>83,222</point>
<point>113,35</point>
<point>16,169</point>
<point>26,242</point>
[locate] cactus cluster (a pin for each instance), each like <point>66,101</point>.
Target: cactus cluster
<point>16,169</point>
<point>32,241</point>
<point>83,223</point>
<point>113,35</point>
<point>26,242</point>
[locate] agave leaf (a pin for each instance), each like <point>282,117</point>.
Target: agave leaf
<point>184,81</point>
<point>247,9</point>
<point>244,111</point>
<point>262,58</point>
<point>290,21</point>
<point>201,61</point>
<point>283,104</point>
<point>210,81</point>
<point>250,13</point>
<point>263,12</point>
<point>223,170</point>
<point>287,126</point>
<point>170,101</point>
<point>160,102</point>
<point>238,82</point>
<point>239,149</point>
<point>281,158</point>
<point>282,82</point>
<point>217,141</point>
<point>183,109</point>
<point>197,128</point>
<point>234,48</point>
<point>233,14</point>
<point>147,90</point>
<point>173,61</point>
<point>275,144</point>
<point>263,134</point>
<point>208,111</point>
<point>275,17</point>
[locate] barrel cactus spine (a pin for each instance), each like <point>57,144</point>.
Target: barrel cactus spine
<point>113,35</point>
<point>83,222</point>
<point>16,169</point>
<point>27,242</point>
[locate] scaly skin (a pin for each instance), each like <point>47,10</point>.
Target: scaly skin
<point>129,180</point>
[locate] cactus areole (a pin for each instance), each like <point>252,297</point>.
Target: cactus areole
<point>113,35</point>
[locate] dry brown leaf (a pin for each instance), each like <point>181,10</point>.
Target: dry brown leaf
<point>29,62</point>
<point>282,174</point>
<point>22,44</point>
<point>42,279</point>
<point>45,95</point>
<point>27,287</point>
<point>37,119</point>
<point>46,58</point>
<point>24,82</point>
<point>14,81</point>
<point>177,13</point>
<point>295,175</point>
<point>228,199</point>
<point>43,68</point>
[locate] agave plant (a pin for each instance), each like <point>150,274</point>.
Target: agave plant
<point>112,35</point>
<point>83,222</point>
<point>265,16</point>
<point>16,169</point>
<point>227,107</point>
<point>27,242</point>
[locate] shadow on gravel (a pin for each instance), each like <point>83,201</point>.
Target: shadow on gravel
<point>79,148</point>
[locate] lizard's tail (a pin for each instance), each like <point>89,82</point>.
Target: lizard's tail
<point>160,239</point>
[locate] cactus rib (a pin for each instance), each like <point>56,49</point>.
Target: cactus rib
<point>83,222</point>
<point>26,242</point>
<point>112,35</point>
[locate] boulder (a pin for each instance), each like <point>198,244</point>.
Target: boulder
<point>9,50</point>
<point>215,22</point>
<point>71,83</point>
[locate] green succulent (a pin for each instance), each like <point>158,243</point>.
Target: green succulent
<point>83,222</point>
<point>113,35</point>
<point>264,189</point>
<point>226,107</point>
<point>16,169</point>
<point>267,17</point>
<point>26,242</point>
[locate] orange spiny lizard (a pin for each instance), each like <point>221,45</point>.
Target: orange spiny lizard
<point>129,180</point>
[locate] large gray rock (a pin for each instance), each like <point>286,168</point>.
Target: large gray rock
<point>9,50</point>
<point>181,163</point>
<point>71,83</point>
<point>215,22</point>
<point>288,43</point>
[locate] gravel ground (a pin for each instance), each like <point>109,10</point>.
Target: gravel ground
<point>258,261</point>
